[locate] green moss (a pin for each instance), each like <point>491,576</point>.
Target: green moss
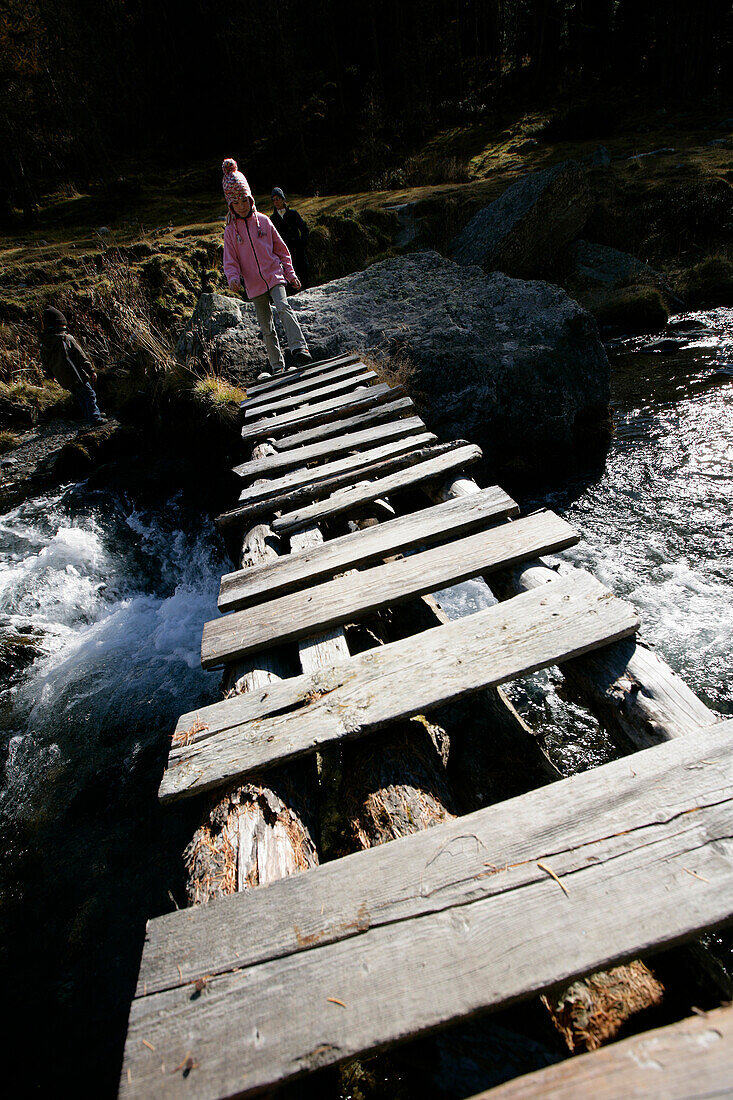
<point>709,283</point>
<point>632,309</point>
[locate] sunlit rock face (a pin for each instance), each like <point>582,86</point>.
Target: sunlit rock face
<point>514,366</point>
<point>527,228</point>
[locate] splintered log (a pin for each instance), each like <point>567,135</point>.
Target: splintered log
<point>255,833</point>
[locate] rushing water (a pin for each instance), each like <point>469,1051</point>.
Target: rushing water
<point>110,599</point>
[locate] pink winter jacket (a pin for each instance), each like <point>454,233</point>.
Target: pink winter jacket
<point>256,255</point>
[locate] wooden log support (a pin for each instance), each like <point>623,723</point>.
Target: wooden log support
<point>291,386</point>
<point>330,448</point>
<point>629,687</point>
<point>453,456</point>
<point>395,682</point>
<point>331,473</point>
<point>337,601</point>
<point>309,416</point>
<point>379,414</point>
<point>280,404</point>
<point>296,571</point>
<point>286,378</point>
<point>692,1058</point>
<point>404,938</point>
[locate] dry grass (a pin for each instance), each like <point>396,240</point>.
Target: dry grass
<point>591,1012</point>
<point>8,442</point>
<point>219,396</point>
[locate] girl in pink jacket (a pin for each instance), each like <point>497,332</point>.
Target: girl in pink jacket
<point>257,259</point>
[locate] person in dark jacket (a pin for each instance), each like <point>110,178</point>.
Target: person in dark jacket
<point>293,231</point>
<point>65,360</point>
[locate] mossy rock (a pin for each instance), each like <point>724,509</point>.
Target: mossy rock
<point>709,283</point>
<point>632,309</point>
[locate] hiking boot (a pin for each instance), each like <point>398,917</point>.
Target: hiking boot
<point>264,375</point>
<point>302,358</point>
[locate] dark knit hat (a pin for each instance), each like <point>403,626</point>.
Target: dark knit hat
<point>53,319</point>
<point>278,191</point>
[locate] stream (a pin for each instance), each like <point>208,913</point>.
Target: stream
<point>101,608</point>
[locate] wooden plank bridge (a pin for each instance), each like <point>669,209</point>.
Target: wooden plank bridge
<point>265,985</point>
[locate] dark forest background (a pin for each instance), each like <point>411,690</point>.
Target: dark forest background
<point>330,89</point>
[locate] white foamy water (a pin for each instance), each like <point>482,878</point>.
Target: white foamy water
<point>117,599</point>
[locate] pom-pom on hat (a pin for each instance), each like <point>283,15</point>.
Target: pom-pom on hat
<point>234,182</point>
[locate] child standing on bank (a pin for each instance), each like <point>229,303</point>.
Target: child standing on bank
<point>65,360</point>
<point>257,258</point>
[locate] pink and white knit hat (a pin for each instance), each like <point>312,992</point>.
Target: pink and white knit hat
<point>234,182</point>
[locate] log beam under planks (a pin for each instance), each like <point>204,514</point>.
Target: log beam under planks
<point>343,599</point>
<point>629,687</point>
<point>311,415</point>
<point>407,937</point>
<point>438,523</point>
<point>449,457</point>
<point>403,678</point>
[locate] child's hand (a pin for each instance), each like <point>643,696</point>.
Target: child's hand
<point>295,284</point>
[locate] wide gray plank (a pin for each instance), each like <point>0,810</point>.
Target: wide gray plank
<point>338,601</point>
<point>329,448</point>
<point>399,680</point>
<point>357,496</point>
<point>309,416</point>
<point>290,386</point>
<point>285,378</point>
<point>312,475</point>
<point>389,411</point>
<point>279,403</point>
<point>267,502</point>
<point>293,571</point>
<point>689,1060</point>
<point>468,916</point>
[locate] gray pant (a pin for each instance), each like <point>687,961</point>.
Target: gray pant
<point>293,332</point>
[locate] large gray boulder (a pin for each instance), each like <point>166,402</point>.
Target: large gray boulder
<point>598,265</point>
<point>529,225</point>
<point>214,315</point>
<point>515,366</point>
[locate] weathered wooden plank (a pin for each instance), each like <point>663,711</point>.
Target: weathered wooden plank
<point>291,572</point>
<point>334,408</point>
<point>345,499</point>
<point>396,681</point>
<point>379,414</point>
<point>329,448</point>
<point>290,385</point>
<point>320,366</point>
<point>319,487</point>
<point>401,939</point>
<point>688,1060</point>
<point>339,601</point>
<point>278,403</point>
<point>357,463</point>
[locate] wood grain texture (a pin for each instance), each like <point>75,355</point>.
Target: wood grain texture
<point>290,385</point>
<point>351,442</point>
<point>395,941</point>
<point>288,499</point>
<point>285,378</point>
<point>246,587</point>
<point>324,411</point>
<point>356,463</point>
<point>389,411</point>
<point>683,1061</point>
<point>400,679</point>
<point>326,390</point>
<point>339,601</point>
<point>461,455</point>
